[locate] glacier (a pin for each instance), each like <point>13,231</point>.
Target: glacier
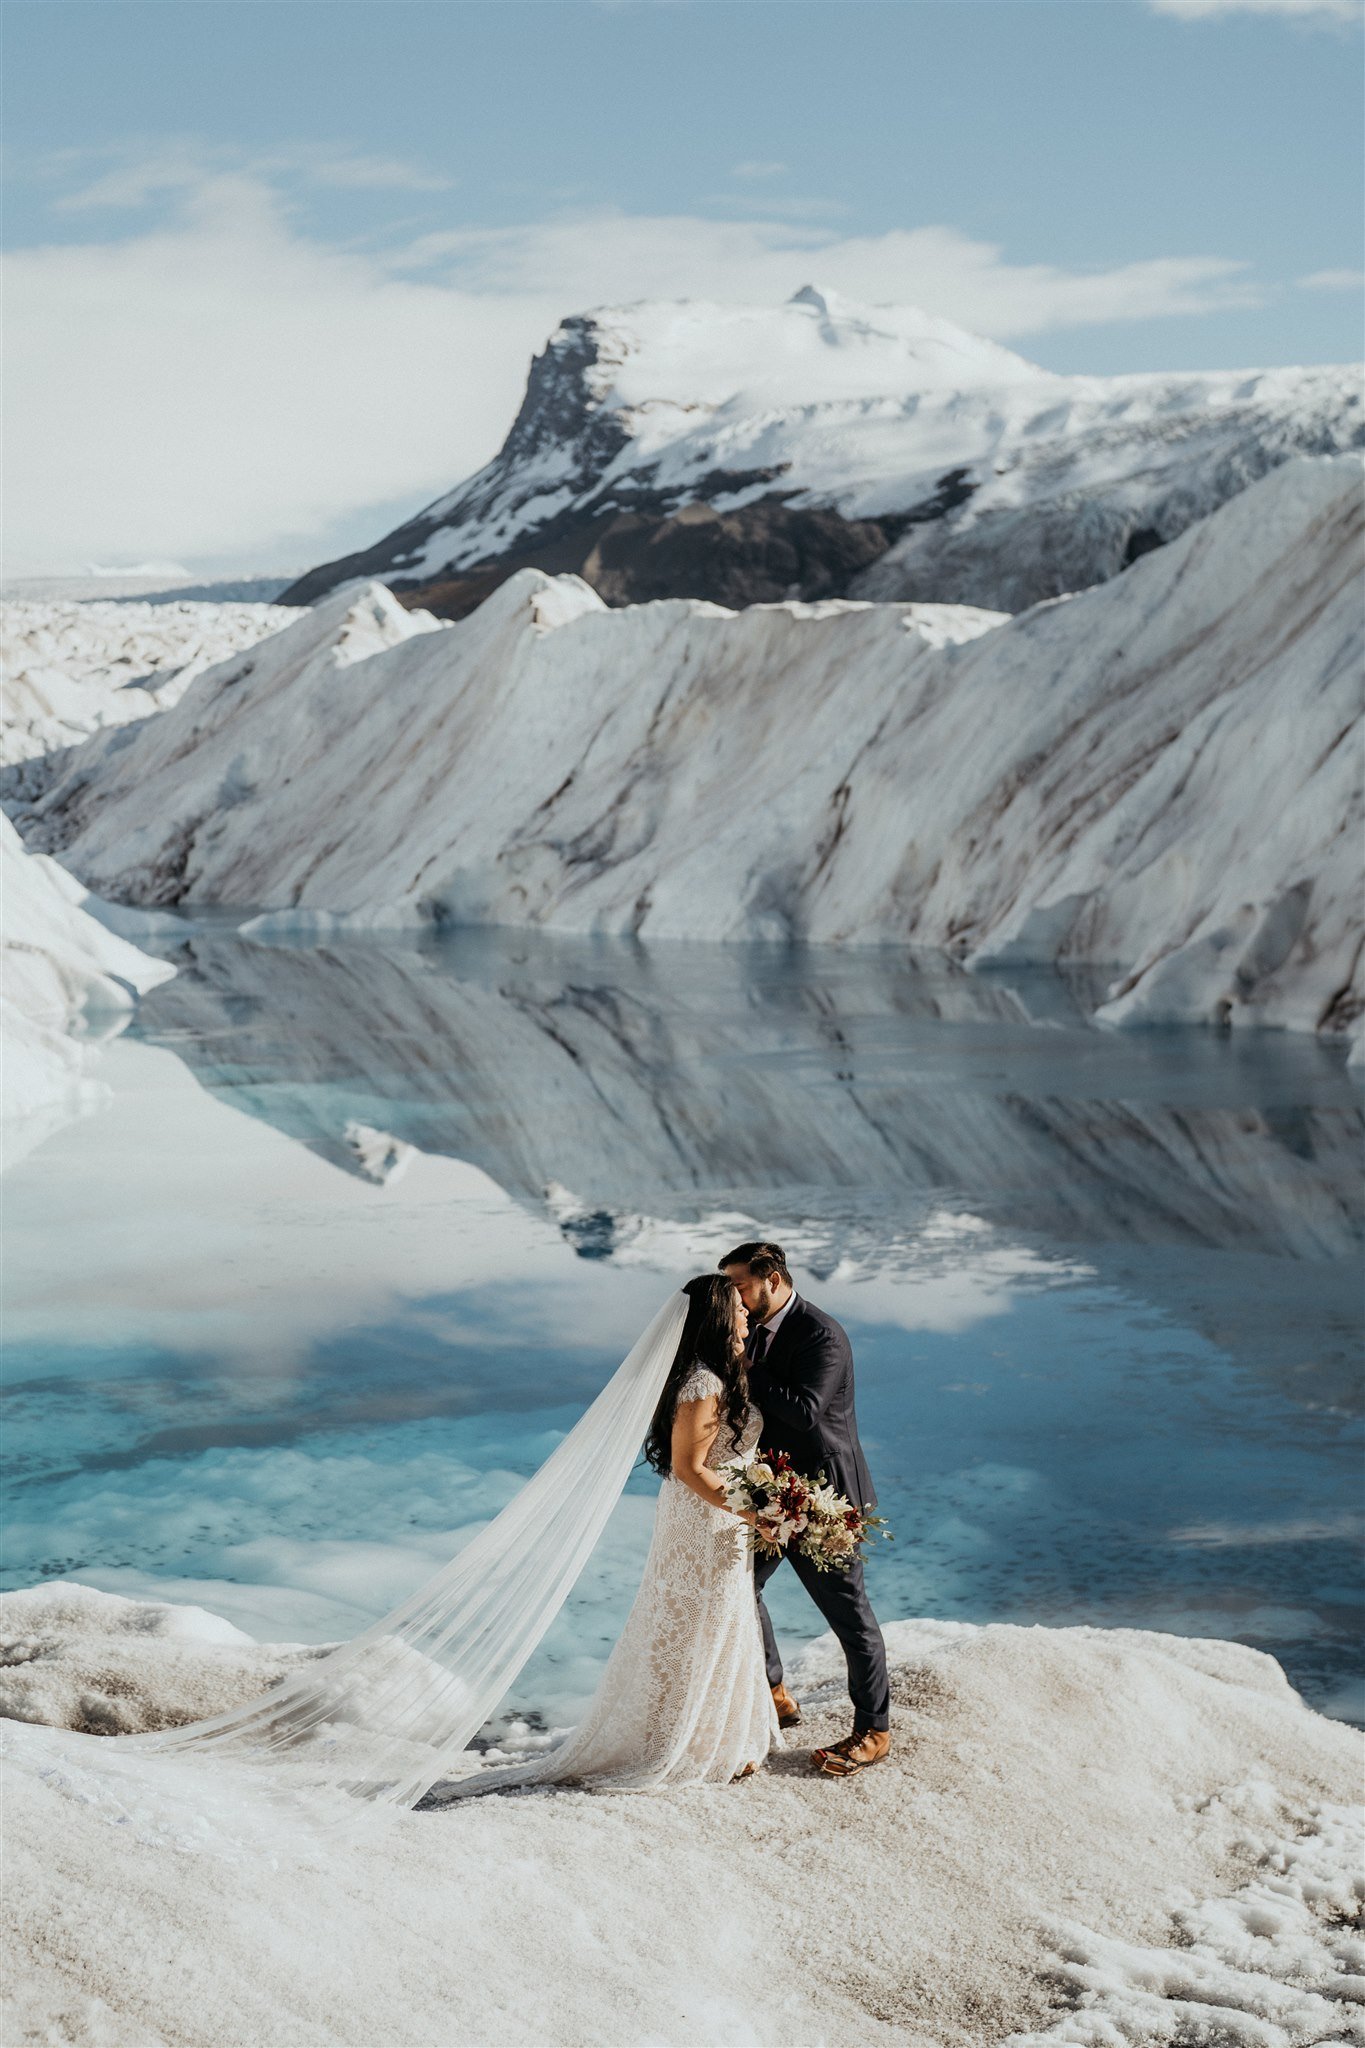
<point>1159,776</point>
<point>66,975</point>
<point>825,448</point>
<point>68,669</point>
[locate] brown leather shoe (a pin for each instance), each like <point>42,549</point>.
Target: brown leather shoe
<point>864,1747</point>
<point>788,1713</point>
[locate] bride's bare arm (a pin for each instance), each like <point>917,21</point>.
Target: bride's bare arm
<point>694,1431</point>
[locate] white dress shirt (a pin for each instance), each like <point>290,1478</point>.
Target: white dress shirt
<point>775,1322</point>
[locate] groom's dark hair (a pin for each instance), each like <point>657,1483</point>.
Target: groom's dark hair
<point>765,1261</point>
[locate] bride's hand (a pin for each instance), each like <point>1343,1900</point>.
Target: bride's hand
<point>746,1515</point>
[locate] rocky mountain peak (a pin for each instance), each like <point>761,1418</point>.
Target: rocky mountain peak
<point>563,411</point>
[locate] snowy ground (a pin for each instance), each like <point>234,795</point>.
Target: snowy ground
<point>1083,1836</point>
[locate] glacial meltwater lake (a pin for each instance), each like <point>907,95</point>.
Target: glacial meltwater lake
<point>365,1223</point>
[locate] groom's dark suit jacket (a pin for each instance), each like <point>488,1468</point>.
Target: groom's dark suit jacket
<point>804,1388</point>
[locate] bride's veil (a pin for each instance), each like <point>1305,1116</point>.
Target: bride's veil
<point>389,1713</point>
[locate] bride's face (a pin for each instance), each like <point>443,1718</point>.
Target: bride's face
<point>741,1325</point>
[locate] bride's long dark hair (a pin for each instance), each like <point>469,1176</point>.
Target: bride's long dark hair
<point>710,1337</point>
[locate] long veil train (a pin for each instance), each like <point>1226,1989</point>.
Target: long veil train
<point>389,1713</point>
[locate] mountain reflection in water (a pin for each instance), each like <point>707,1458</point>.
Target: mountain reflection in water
<point>1103,1287</point>
<point>839,1096</point>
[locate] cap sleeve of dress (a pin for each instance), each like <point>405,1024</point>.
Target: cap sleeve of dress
<point>700,1382</point>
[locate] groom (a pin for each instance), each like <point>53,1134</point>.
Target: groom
<point>801,1377</point>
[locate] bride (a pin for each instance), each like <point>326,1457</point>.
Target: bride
<point>684,1698</point>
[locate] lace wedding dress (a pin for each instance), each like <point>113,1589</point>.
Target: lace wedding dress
<point>387,1718</point>
<point>684,1698</point>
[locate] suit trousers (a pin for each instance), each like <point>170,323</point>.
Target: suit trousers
<point>842,1599</point>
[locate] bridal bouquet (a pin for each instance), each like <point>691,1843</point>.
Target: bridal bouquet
<point>792,1512</point>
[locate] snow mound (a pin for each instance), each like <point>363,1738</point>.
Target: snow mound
<point>62,967</point>
<point>1160,776</point>
<point>821,447</point>
<point>72,1657</point>
<point>1082,1836</point>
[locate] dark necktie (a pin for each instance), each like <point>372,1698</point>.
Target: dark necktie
<point>759,1345</point>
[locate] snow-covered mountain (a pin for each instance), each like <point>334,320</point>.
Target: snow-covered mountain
<point>821,448</point>
<point>1161,774</point>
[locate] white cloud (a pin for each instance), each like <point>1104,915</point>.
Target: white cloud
<point>612,257</point>
<point>1333,281</point>
<point>224,385</point>
<point>137,175</point>
<point>757,170</point>
<point>1305,10</point>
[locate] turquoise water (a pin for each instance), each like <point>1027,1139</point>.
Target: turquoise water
<point>363,1226</point>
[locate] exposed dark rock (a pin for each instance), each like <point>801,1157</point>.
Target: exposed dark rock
<point>1141,541</point>
<point>754,554</point>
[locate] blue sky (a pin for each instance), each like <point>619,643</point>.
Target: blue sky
<point>276,266</point>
